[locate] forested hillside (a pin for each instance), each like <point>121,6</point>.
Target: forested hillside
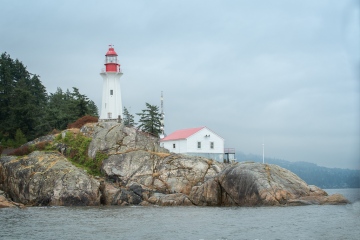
<point>28,111</point>
<point>311,173</point>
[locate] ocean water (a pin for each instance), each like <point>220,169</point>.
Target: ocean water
<point>301,222</point>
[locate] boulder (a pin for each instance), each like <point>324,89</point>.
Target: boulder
<point>47,178</point>
<point>175,199</point>
<point>5,202</point>
<point>160,172</point>
<point>253,184</point>
<point>115,138</point>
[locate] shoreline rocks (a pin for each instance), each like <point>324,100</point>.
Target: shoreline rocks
<point>139,172</point>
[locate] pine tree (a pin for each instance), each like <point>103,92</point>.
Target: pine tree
<point>128,118</point>
<point>150,120</point>
<point>20,138</point>
<point>22,99</point>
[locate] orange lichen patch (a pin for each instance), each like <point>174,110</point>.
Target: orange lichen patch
<point>15,160</point>
<point>160,154</point>
<point>281,195</point>
<point>51,164</point>
<point>155,174</point>
<point>210,162</point>
<point>32,174</point>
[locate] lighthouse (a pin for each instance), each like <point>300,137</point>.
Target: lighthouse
<point>111,106</point>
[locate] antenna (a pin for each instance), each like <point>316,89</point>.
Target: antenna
<point>162,134</point>
<point>263,146</point>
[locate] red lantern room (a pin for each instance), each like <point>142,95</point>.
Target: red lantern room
<point>111,62</point>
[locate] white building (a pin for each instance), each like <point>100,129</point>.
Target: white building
<point>199,141</point>
<point>111,106</point>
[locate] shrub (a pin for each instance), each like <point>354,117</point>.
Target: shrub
<point>77,153</point>
<point>21,151</point>
<point>82,121</point>
<point>26,149</point>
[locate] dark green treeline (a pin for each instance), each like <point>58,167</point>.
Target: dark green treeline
<point>27,111</point>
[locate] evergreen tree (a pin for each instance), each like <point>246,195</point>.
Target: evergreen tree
<point>22,99</point>
<point>92,109</point>
<point>25,105</point>
<point>128,118</point>
<point>150,120</point>
<point>20,138</point>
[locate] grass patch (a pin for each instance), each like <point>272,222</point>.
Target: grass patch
<point>78,146</point>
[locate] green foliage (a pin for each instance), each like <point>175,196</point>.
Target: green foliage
<point>22,100</point>
<point>20,138</point>
<point>77,153</point>
<point>128,118</point>
<point>150,120</point>
<point>66,107</point>
<point>25,104</point>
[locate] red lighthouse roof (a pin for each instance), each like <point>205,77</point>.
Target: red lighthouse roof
<point>111,51</point>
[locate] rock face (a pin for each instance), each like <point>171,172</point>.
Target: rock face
<point>161,178</point>
<point>252,184</point>
<point>113,138</point>
<point>139,172</point>
<point>47,179</point>
<point>5,202</point>
<point>164,173</point>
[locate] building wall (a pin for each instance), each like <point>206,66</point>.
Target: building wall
<point>205,137</point>
<point>215,156</point>
<point>189,146</point>
<point>111,103</point>
<point>180,146</point>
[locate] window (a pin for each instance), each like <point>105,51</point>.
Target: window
<point>199,145</point>
<point>111,92</point>
<point>109,115</point>
<point>211,145</point>
<point>174,146</point>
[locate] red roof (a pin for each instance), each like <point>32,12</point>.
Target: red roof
<point>182,134</point>
<point>111,51</point>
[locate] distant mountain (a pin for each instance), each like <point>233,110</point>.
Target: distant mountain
<point>311,173</point>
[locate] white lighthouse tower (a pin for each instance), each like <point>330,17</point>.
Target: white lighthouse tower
<point>111,106</point>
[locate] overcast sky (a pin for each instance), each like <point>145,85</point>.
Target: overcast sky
<point>283,71</point>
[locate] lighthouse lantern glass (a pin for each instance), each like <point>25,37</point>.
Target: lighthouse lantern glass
<point>111,59</point>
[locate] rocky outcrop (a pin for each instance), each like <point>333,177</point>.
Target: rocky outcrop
<point>160,172</point>
<point>253,184</point>
<point>114,138</point>
<point>47,178</point>
<point>139,172</point>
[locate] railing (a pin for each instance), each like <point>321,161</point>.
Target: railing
<point>229,150</point>
<point>104,71</point>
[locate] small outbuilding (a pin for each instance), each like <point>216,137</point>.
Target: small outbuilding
<point>199,141</point>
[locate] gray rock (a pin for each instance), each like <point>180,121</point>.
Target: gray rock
<point>165,173</point>
<point>47,178</point>
<point>115,138</point>
<point>252,184</point>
